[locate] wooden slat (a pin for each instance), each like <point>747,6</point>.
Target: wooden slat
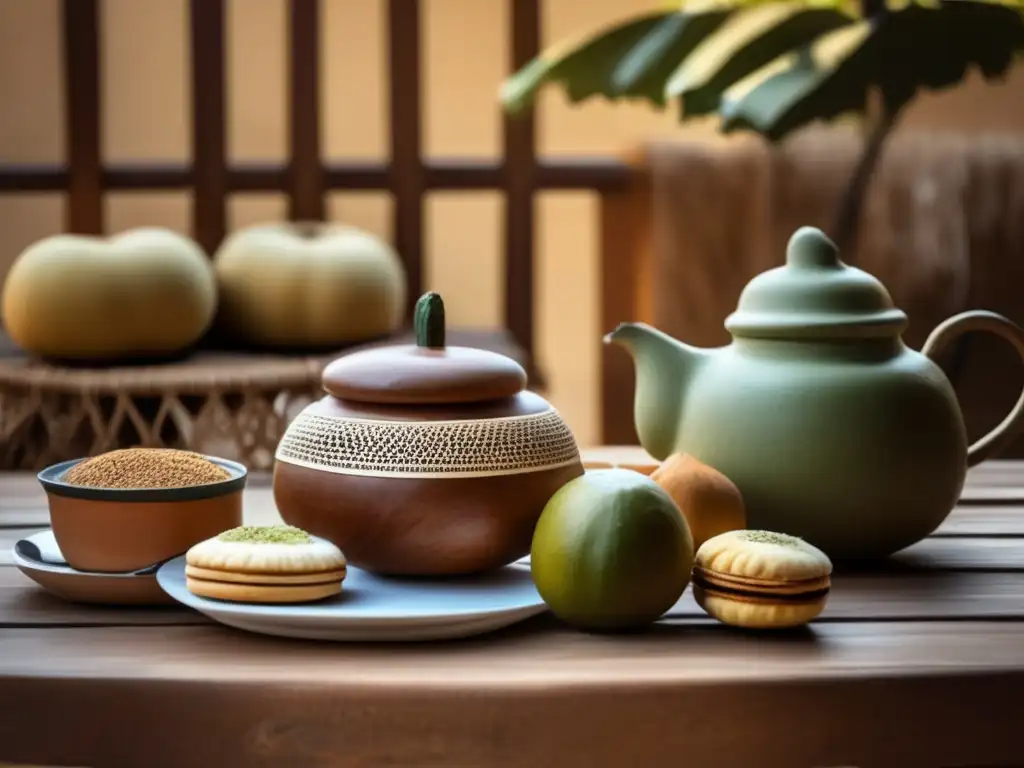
<point>600,175</point>
<point>1008,475</point>
<point>306,200</point>
<point>520,180</point>
<point>998,522</point>
<point>25,603</point>
<point>625,247</point>
<point>928,596</point>
<point>959,554</point>
<point>81,39</point>
<point>25,515</point>
<point>855,597</point>
<point>8,538</point>
<point>997,471</point>
<point>23,503</point>
<point>920,585</point>
<point>689,653</point>
<point>407,172</point>
<point>839,695</point>
<point>1002,521</point>
<point>209,123</point>
<point>992,495</point>
<point>20,522</point>
<point>931,596</point>
<point>17,487</point>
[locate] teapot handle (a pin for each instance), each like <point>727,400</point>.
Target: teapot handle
<point>979,320</point>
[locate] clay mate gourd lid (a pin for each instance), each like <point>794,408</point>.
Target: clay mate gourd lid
<point>426,373</point>
<point>815,295</point>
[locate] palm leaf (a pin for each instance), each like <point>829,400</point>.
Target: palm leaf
<point>747,41</point>
<point>900,52</point>
<point>828,77</point>
<point>773,66</point>
<point>583,67</point>
<point>643,70</point>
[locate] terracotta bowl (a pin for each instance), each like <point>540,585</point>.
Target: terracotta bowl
<point>90,588</point>
<point>115,530</point>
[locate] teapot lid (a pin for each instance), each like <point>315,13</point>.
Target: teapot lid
<point>815,295</point>
<point>426,373</point>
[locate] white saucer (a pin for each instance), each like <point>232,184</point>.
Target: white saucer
<point>376,608</point>
<point>38,557</point>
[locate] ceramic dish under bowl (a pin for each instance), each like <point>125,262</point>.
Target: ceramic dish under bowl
<point>374,608</point>
<point>116,530</point>
<point>39,558</point>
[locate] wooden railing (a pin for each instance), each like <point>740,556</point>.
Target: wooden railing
<point>306,178</point>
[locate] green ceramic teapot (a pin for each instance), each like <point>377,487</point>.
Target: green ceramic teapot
<point>832,428</point>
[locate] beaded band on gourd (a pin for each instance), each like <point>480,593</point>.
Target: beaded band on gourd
<point>464,448</point>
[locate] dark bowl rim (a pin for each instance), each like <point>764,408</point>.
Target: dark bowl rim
<point>49,478</point>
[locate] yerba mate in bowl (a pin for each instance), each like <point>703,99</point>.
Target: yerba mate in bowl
<point>131,508</point>
<point>146,468</point>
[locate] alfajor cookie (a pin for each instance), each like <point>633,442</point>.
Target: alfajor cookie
<point>761,579</point>
<point>265,564</point>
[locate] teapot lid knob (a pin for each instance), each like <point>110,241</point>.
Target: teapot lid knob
<point>810,247</point>
<point>815,295</point>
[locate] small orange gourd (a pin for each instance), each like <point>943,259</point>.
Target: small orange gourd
<point>711,502</point>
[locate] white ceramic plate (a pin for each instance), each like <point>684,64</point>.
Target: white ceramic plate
<point>39,558</point>
<point>376,608</point>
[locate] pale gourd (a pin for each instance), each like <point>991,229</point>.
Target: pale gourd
<point>308,285</point>
<point>146,292</point>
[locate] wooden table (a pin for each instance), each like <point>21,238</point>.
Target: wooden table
<point>917,663</point>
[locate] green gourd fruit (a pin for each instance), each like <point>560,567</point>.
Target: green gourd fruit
<point>308,286</point>
<point>146,292</point>
<point>611,551</point>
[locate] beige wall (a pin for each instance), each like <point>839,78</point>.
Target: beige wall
<point>147,116</point>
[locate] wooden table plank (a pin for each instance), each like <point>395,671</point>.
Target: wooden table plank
<point>993,480</point>
<point>968,553</point>
<point>27,515</point>
<point>931,632</point>
<point>8,538</point>
<point>909,598</point>
<point>929,596</point>
<point>953,550</point>
<point>995,521</point>
<point>966,520</point>
<point>938,553</point>
<point>259,509</point>
<point>996,473</point>
<point>673,653</point>
<point>957,554</point>
<point>24,603</point>
<point>23,503</point>
<point>555,698</point>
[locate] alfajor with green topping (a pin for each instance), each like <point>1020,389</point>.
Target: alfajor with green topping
<point>265,564</point>
<point>761,579</point>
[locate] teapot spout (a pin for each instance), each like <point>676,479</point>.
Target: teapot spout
<point>665,369</point>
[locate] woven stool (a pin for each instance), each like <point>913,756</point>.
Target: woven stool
<point>232,405</point>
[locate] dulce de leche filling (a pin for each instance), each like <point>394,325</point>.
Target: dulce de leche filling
<point>798,591</point>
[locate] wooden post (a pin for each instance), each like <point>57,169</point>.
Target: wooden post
<point>306,170</point>
<point>520,165</point>
<point>82,104</point>
<point>626,251</point>
<point>209,163</point>
<point>407,171</point>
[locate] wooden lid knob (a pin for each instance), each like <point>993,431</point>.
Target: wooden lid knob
<point>427,373</point>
